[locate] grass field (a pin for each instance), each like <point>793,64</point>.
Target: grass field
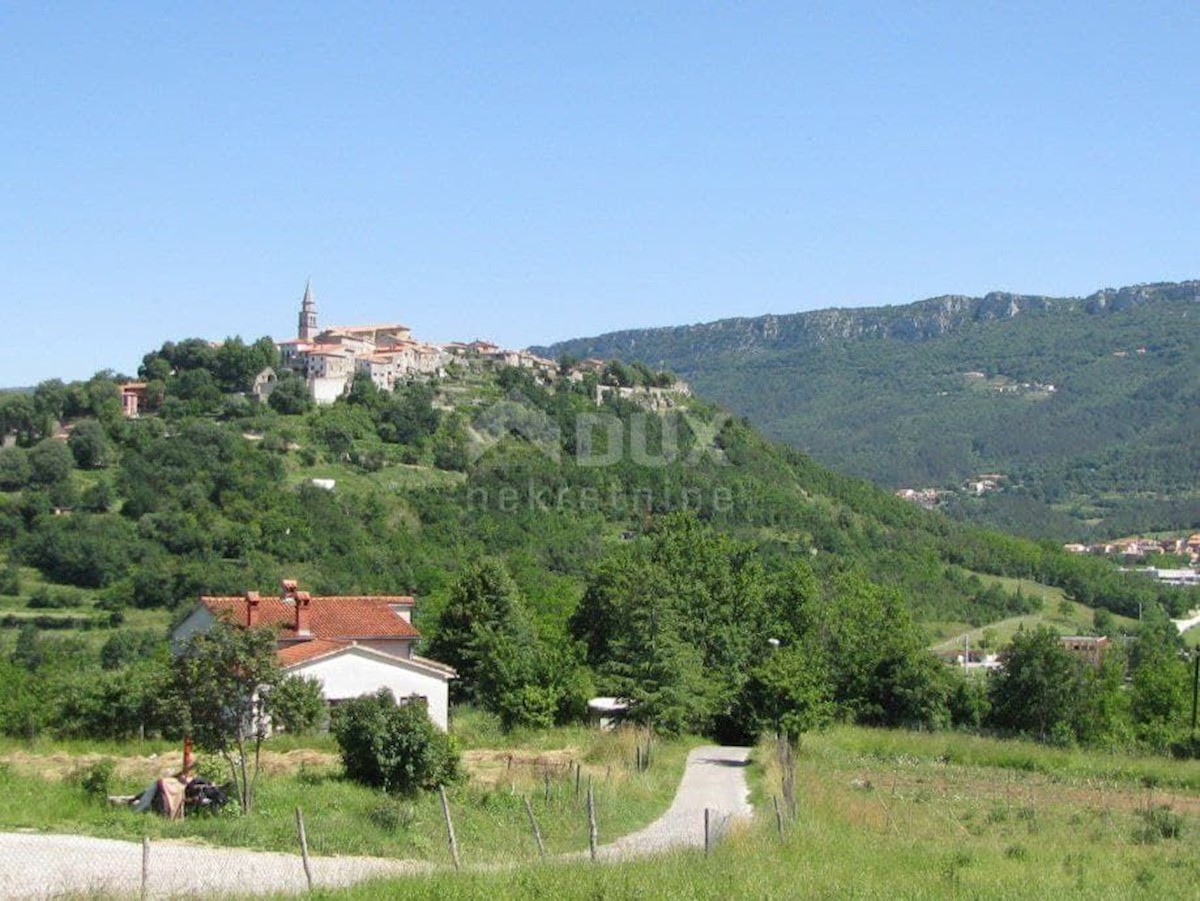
<point>901,815</point>
<point>1064,616</point>
<point>37,792</point>
<point>879,814</point>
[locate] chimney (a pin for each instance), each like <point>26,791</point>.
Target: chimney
<point>303,602</point>
<point>251,609</point>
<point>289,589</point>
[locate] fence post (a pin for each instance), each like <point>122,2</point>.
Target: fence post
<point>778,815</point>
<point>303,847</point>
<point>578,774</point>
<point>707,831</point>
<point>449,826</point>
<point>533,824</point>
<point>593,834</point>
<point>145,865</point>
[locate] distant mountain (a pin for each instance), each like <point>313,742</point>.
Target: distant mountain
<point>1087,408</point>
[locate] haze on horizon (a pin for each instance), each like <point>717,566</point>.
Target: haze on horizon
<point>535,174</point>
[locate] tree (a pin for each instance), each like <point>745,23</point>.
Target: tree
<point>89,445</point>
<point>411,416</point>
<point>18,414</point>
<point>50,461</point>
<point>789,692</point>
<point>90,551</point>
<point>15,472</point>
<point>291,395</point>
<point>1037,690</point>
<point>393,747</point>
<point>225,680</point>
<point>299,704</point>
<point>50,398</point>
<point>485,633</point>
<point>236,363</point>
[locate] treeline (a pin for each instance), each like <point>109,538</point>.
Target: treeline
<point>689,628</point>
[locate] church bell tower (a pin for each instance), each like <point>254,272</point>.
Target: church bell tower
<point>308,314</point>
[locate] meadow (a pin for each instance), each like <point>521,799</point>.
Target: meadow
<point>878,813</point>
<point>889,814</point>
<point>44,787</point>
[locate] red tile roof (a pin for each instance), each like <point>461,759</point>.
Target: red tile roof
<point>333,617</point>
<point>303,651</point>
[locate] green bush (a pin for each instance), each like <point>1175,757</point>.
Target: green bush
<point>96,779</point>
<point>1158,823</point>
<point>393,747</point>
<point>391,815</point>
<point>10,581</point>
<point>298,705</point>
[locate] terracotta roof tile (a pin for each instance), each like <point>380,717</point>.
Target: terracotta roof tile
<point>303,651</point>
<point>333,617</point>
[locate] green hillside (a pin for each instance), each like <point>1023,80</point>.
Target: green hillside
<point>1085,406</point>
<point>645,546</point>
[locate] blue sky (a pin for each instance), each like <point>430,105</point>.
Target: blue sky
<point>546,171</point>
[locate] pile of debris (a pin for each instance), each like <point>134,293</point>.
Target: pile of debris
<point>176,796</point>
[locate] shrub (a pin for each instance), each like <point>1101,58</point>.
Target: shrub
<point>392,816</point>
<point>10,581</point>
<point>393,747</point>
<point>96,779</point>
<point>298,705</point>
<point>1157,824</point>
<point>44,599</point>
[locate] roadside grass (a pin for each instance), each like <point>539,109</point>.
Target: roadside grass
<point>343,818</point>
<point>881,815</point>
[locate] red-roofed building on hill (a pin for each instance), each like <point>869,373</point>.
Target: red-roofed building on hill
<point>352,644</point>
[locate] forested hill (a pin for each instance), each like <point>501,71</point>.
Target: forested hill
<point>1084,406</point>
<point>564,539</point>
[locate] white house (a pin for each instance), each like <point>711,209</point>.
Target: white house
<point>352,644</point>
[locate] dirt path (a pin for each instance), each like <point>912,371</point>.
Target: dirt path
<point>36,865</point>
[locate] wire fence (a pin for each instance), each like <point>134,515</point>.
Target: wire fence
<point>41,865</point>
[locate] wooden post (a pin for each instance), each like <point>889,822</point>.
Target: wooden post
<point>593,834</point>
<point>537,833</point>
<point>707,832</point>
<point>1195,687</point>
<point>546,777</point>
<point>578,775</point>
<point>778,815</point>
<point>449,826</point>
<point>637,750</point>
<point>145,865</point>
<point>303,847</point>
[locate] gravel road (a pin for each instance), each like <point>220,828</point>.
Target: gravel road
<point>43,866</point>
<point>714,778</point>
<point>34,865</point>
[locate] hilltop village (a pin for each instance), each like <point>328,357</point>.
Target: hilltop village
<point>328,359</point>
